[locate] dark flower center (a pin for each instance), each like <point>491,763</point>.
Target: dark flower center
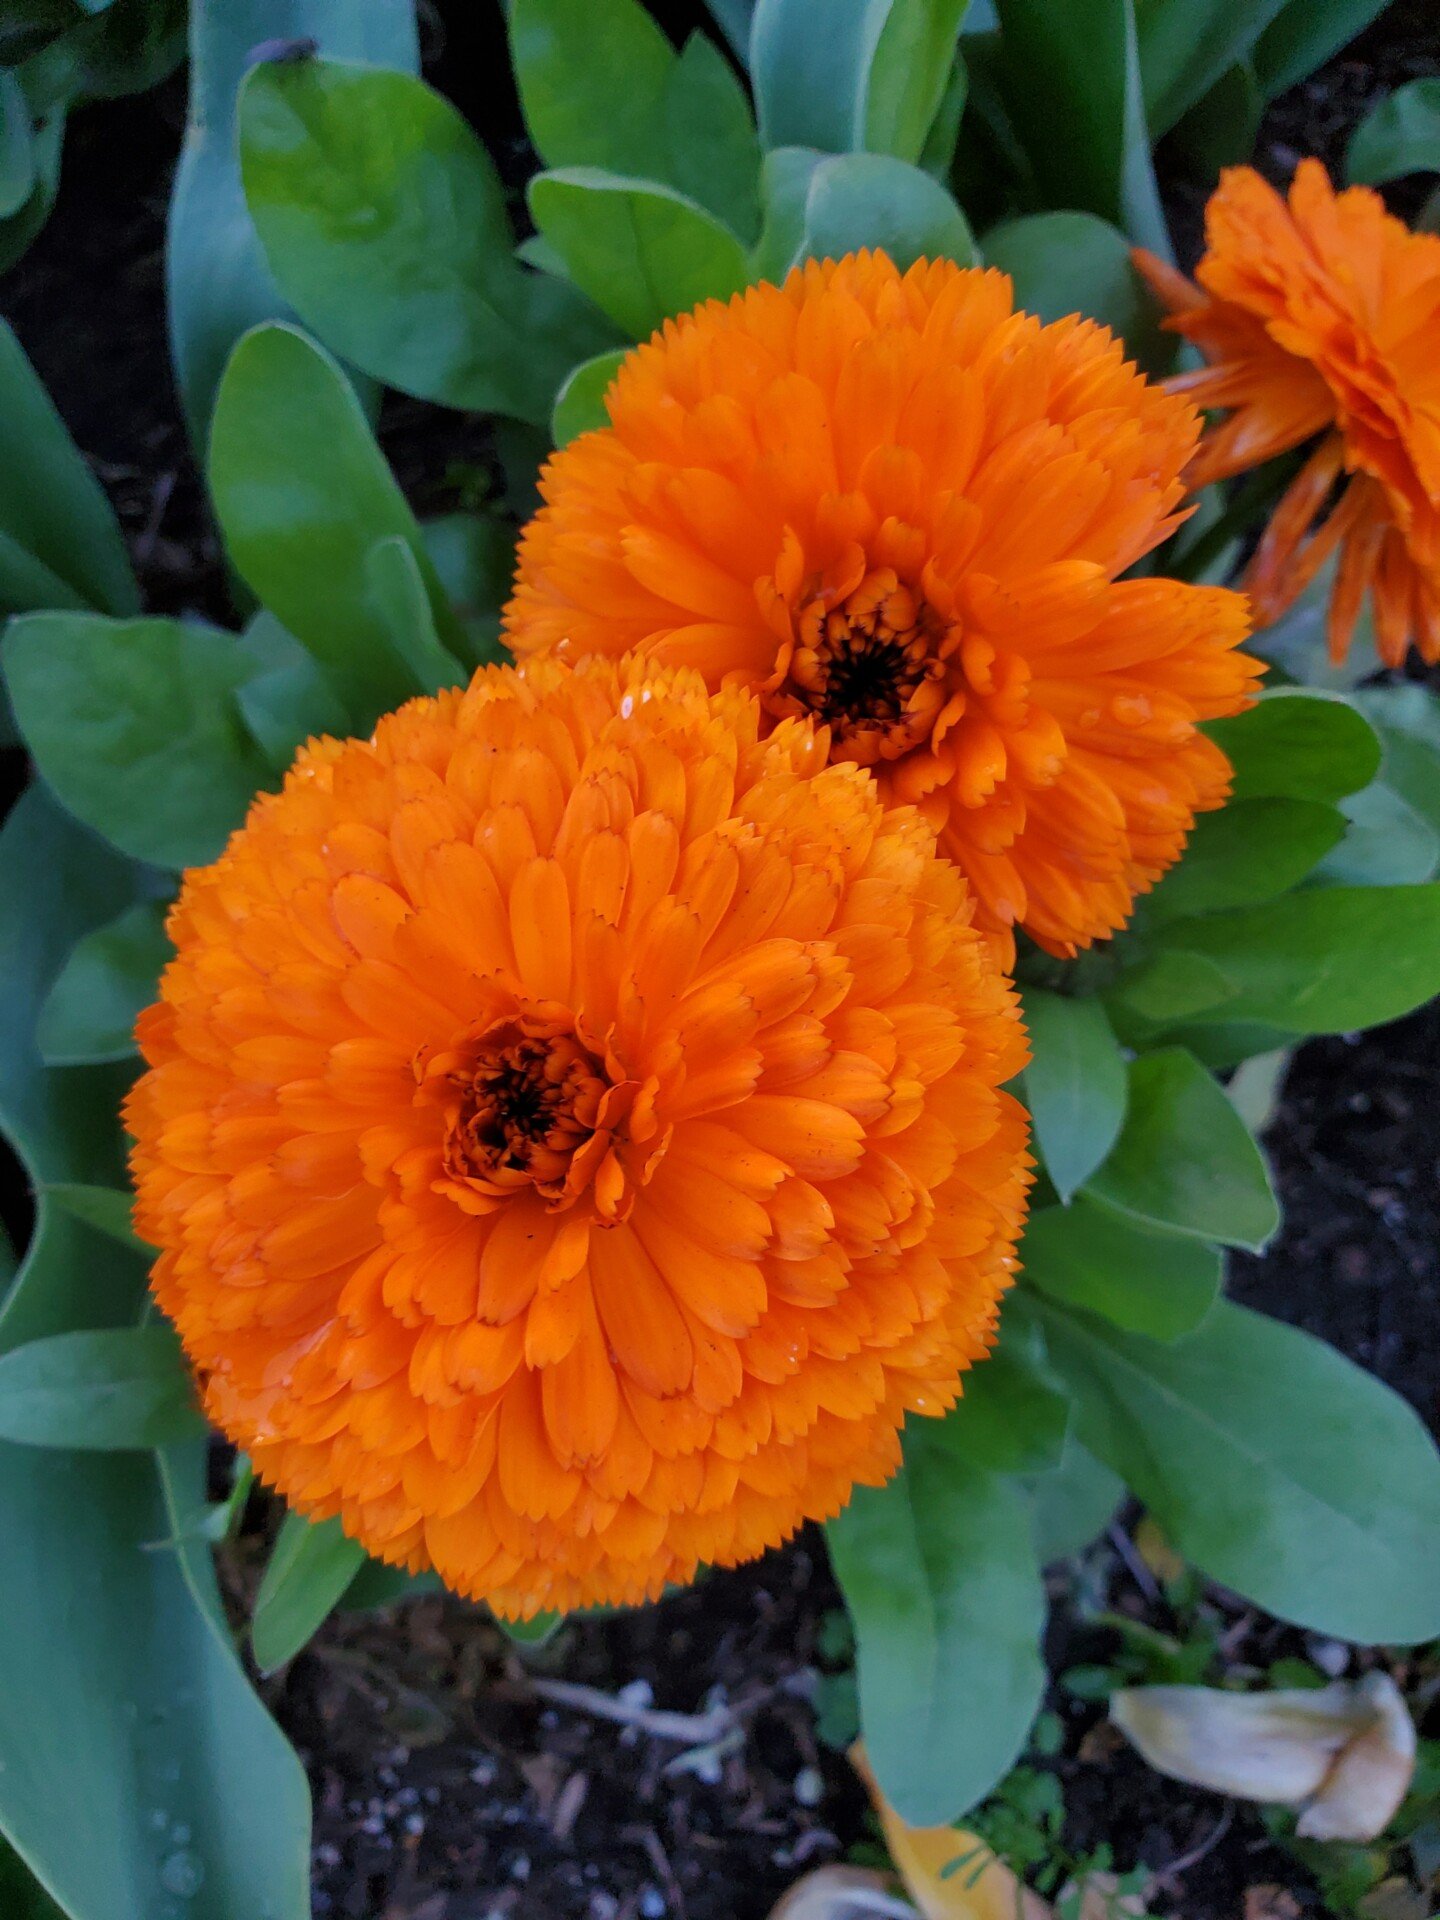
<point>868,667</point>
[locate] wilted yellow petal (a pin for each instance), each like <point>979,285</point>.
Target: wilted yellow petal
<point>1345,1752</point>
<point>983,1888</point>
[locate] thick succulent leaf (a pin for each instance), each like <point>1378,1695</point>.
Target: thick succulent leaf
<point>218,282</point>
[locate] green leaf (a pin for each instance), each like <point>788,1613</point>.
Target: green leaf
<point>784,188</point>
<point>1072,1502</point>
<point>383,219</point>
<point>473,555</point>
<point>377,1585</point>
<point>47,145</point>
<point>304,495</point>
<point>17,146</point>
<point>1250,851</point>
<point>1074,1086</point>
<point>1300,744</point>
<point>289,699</point>
<point>869,200</point>
<point>218,282</point>
<point>89,1014</point>
<point>1011,1416</point>
<point>940,1577</point>
<point>1327,960</point>
<point>105,1391</point>
<point>309,1568</point>
<point>1304,34</point>
<point>1273,1463</point>
<point>871,80</point>
<point>107,1209</point>
<point>1162,990</point>
<point>134,725</point>
<point>1072,84</point>
<point>397,593</point>
<point>1389,842</point>
<point>128,1701</point>
<point>1186,45</point>
<point>1064,263</point>
<point>1185,1160</point>
<point>534,1632</point>
<point>1220,130</point>
<point>640,251</point>
<point>1158,1284</point>
<point>681,120</point>
<point>580,403</point>
<point>59,542</point>
<point>1400,136</point>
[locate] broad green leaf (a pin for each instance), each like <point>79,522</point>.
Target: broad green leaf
<point>473,555</point>
<point>733,18</point>
<point>47,146</point>
<point>580,403</point>
<point>1072,1502</point>
<point>1011,1416</point>
<point>1273,1463</point>
<point>89,1014</point>
<point>1304,34</point>
<point>1222,127</point>
<point>134,725</point>
<point>107,1209</point>
<point>913,67</point>
<point>1300,744</point>
<point>218,282</point>
<point>309,1568</point>
<point>1254,1090</point>
<point>383,219</point>
<point>1247,852</point>
<point>1064,263</point>
<point>869,200</point>
<point>1400,136</point>
<point>1074,1086</point>
<point>680,119</point>
<point>59,542</point>
<point>784,188</point>
<point>106,1390</point>
<point>1185,1160</point>
<point>1162,990</point>
<point>126,1700</point>
<point>534,1632</point>
<point>1389,841</point>
<point>1158,1284</point>
<point>1219,1043</point>
<point>1072,84</point>
<point>17,146</point>
<point>640,251</point>
<point>869,80</point>
<point>303,496</point>
<point>1186,45</point>
<point>397,592</point>
<point>377,1585</point>
<point>940,1577</point>
<point>1326,960</point>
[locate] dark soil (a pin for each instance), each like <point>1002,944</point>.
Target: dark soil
<point>449,1784</point>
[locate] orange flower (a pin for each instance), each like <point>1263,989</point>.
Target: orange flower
<point>1321,322</point>
<point>889,502</point>
<point>574,1133</point>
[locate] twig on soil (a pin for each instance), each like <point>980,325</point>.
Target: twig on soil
<point>1168,1878</point>
<point>691,1729</point>
<point>1139,1572</point>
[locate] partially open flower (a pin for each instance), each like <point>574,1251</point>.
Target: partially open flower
<point>1320,320</point>
<point>887,502</point>
<point>574,1133</point>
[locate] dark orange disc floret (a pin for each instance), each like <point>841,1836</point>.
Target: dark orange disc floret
<point>889,503</point>
<point>574,1132</point>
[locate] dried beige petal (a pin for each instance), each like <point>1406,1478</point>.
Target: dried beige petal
<point>842,1893</point>
<point>1371,1774</point>
<point>1345,1752</point>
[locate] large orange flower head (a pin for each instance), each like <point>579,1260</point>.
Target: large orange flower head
<point>887,501</point>
<point>574,1135</point>
<point>1320,320</point>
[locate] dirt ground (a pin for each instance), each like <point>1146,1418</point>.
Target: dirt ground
<point>457,1778</point>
